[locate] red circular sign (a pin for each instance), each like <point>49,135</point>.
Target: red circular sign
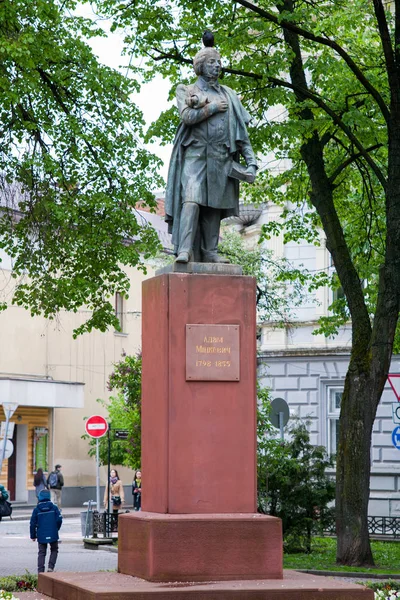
<point>96,426</point>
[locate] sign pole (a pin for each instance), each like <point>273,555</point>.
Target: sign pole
<point>3,450</point>
<point>96,426</point>
<point>108,480</point>
<point>9,409</point>
<point>97,476</point>
<point>281,424</point>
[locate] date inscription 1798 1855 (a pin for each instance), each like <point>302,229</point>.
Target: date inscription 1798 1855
<point>212,353</point>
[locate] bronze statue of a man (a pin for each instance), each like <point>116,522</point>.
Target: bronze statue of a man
<point>203,177</point>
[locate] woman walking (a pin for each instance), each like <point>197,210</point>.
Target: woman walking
<point>40,482</point>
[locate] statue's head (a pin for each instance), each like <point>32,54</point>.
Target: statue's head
<point>207,56</point>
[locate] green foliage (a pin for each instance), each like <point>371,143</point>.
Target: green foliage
<point>18,583</point>
<point>323,557</point>
<point>71,165</point>
<point>293,484</point>
<point>124,412</point>
<point>389,585</point>
<point>280,287</point>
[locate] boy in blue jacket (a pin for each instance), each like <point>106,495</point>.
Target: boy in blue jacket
<point>46,520</point>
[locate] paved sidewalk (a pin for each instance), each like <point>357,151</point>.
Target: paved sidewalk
<point>19,553</point>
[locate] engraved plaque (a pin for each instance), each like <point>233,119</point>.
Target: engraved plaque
<point>212,353</point>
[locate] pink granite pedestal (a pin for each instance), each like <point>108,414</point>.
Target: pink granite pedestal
<point>163,547</point>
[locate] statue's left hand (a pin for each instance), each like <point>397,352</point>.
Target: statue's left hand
<point>251,170</point>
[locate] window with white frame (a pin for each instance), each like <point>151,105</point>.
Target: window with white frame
<point>119,310</point>
<point>334,400</point>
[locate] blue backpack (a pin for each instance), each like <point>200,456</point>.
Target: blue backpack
<point>53,479</point>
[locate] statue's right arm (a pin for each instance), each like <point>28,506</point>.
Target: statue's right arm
<point>191,116</point>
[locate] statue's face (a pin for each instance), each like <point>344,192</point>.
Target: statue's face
<point>212,68</point>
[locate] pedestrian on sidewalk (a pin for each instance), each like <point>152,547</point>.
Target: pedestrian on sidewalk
<point>116,488</point>
<point>45,523</point>
<point>39,481</point>
<point>55,482</point>
<point>137,491</point>
<point>5,507</point>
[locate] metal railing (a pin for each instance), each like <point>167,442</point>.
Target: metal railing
<point>387,526</point>
<point>104,524</point>
<point>377,526</point>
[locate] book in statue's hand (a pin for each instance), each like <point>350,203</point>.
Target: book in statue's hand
<point>240,172</point>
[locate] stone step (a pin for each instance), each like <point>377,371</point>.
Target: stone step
<point>103,586</point>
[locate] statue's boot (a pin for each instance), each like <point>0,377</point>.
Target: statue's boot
<point>210,221</point>
<point>187,231</point>
<point>183,257</point>
<point>214,257</point>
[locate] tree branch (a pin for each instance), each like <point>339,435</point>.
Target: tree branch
<point>386,44</point>
<point>53,88</point>
<point>336,119</point>
<point>349,160</point>
<point>188,61</point>
<point>325,42</point>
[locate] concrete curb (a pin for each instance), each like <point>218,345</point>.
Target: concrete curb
<point>361,574</point>
<point>27,516</point>
<point>108,549</point>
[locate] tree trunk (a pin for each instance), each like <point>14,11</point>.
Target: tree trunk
<point>365,381</point>
<point>354,466</point>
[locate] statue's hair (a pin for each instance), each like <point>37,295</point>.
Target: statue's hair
<point>201,58</point>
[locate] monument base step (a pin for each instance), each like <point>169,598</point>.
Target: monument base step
<point>200,547</point>
<point>104,586</point>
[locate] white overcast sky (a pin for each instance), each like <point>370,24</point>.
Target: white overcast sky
<point>153,98</point>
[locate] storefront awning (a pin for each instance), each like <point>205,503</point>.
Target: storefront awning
<point>44,393</point>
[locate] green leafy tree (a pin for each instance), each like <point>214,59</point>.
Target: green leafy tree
<point>72,167</point>
<point>124,412</point>
<point>332,71</point>
<point>293,485</point>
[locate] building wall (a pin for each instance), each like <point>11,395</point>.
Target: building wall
<point>34,347</point>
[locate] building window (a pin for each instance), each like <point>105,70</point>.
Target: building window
<point>337,294</point>
<point>334,400</point>
<point>119,311</point>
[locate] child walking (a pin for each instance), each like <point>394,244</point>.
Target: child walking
<point>46,520</point>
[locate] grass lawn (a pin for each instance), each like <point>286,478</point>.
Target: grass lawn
<point>322,557</point>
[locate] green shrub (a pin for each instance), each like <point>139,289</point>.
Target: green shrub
<point>383,585</point>
<point>18,583</point>
<point>292,482</point>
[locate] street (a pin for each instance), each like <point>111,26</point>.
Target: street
<point>19,553</point>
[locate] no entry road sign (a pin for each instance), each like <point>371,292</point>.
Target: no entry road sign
<point>394,381</point>
<point>96,426</point>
